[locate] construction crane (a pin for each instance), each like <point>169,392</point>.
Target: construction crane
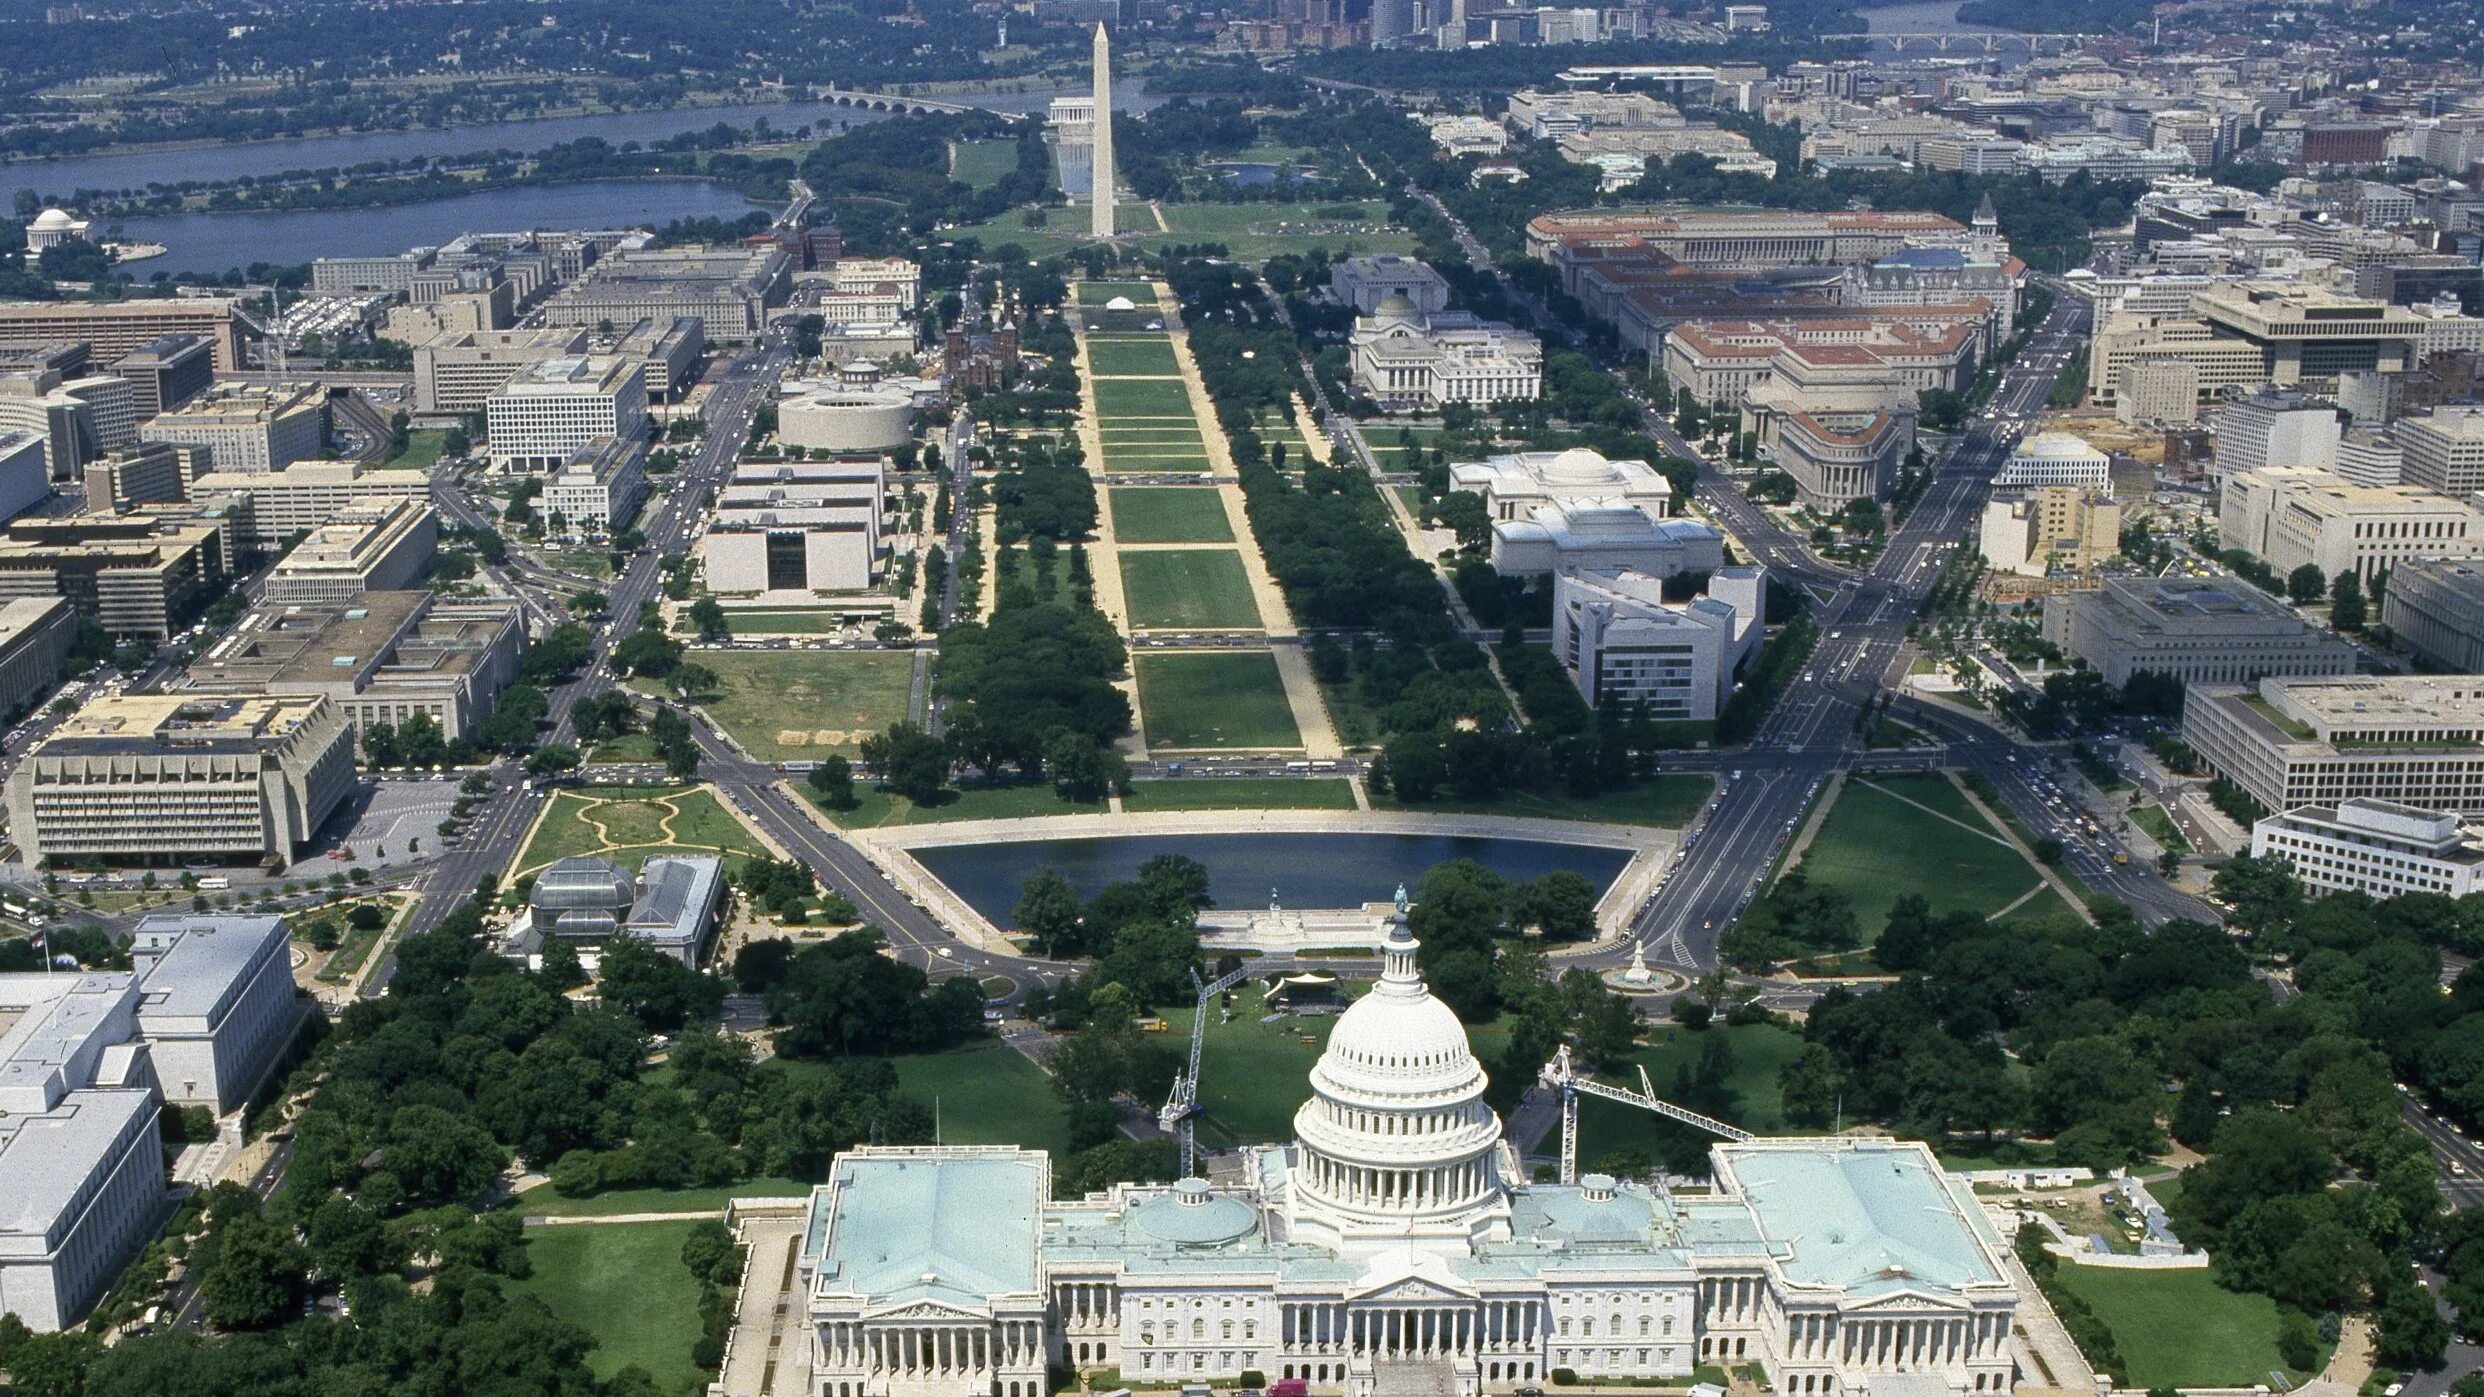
<point>1181,1106</point>
<point>1563,1077</point>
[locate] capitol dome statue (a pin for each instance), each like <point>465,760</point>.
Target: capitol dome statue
<point>1396,1145</point>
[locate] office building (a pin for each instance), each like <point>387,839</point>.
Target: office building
<point>35,402</point>
<point>667,354</point>
<point>161,778</point>
<point>2369,457</point>
<point>378,548</point>
<point>2375,847</point>
<point>114,328</point>
<point>81,1158</point>
<point>35,635</point>
<point>1746,240</point>
<point>455,374</point>
<point>729,291</point>
<point>1551,539</point>
<point>670,905</point>
<point>2288,516</point>
<point>2294,742</point>
<point>894,281</point>
<point>1404,358</point>
<point>2197,630</point>
<point>2435,607</point>
<point>2033,533</point>
<point>551,410</point>
<point>268,511</point>
<point>2217,368</point>
<point>1364,282</point>
<point>140,576</point>
<point>1630,650</point>
<point>25,478</point>
<point>377,657</point>
<point>219,1004</point>
<point>600,489</point>
<point>1514,485</point>
<point>2308,335</point>
<point>2055,458</point>
<point>797,526</point>
<point>167,372</point>
<point>2276,429</point>
<point>2443,452</point>
<point>145,474</point>
<point>111,406</point>
<point>249,428</point>
<point>1396,1235</point>
<point>1722,362</point>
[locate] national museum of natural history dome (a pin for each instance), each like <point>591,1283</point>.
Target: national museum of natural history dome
<point>1397,1246</point>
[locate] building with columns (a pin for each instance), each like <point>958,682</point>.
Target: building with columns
<point>1396,1245</point>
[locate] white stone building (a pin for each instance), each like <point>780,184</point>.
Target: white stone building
<point>1625,645</point>
<point>1365,282</point>
<point>2197,630</point>
<point>1552,539</point>
<point>2288,517</point>
<point>2444,451</point>
<point>1395,1245</point>
<point>2055,458</point>
<point>1404,358</point>
<point>2276,429</point>
<point>2375,847</point>
<point>551,410</point>
<point>2416,740</point>
<point>1513,485</point>
<point>249,428</point>
<point>601,487</point>
<point>797,526</point>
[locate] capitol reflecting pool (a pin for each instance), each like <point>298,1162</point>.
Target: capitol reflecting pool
<point>1304,870</point>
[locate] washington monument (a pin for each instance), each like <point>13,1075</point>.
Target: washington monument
<point>1100,190</point>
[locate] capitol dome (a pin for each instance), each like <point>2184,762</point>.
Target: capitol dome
<point>1396,1141</point>
<point>1394,306</point>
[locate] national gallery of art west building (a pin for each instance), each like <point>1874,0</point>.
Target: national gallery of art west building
<point>1395,1247</point>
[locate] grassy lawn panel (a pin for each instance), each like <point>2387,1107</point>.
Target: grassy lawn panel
<point>875,808</point>
<point>1759,1051</point>
<point>798,705</point>
<point>1230,700</point>
<point>1878,847</point>
<point>1143,397</point>
<point>422,452</point>
<point>631,747</point>
<point>2161,828</point>
<point>630,825</point>
<point>988,1094</point>
<point>624,1283</point>
<point>1170,514</point>
<point>1096,293</point>
<point>1667,801</point>
<point>981,164</point>
<point>1241,793</point>
<point>1189,588</point>
<point>1135,355</point>
<point>2180,1328</point>
<point>542,1202</point>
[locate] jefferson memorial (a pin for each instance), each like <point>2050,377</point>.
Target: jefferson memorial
<point>1396,1249</point>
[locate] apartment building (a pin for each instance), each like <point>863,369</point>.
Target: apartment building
<point>2375,847</point>
<point>552,410</point>
<point>2443,452</point>
<point>2032,533</point>
<point>1627,647</point>
<point>114,328</point>
<point>456,374</point>
<point>159,778</point>
<point>2197,630</point>
<point>142,576</point>
<point>377,548</point>
<point>2289,743</point>
<point>379,657</point>
<point>2435,607</point>
<point>249,428</point>
<point>268,511</point>
<point>2288,516</point>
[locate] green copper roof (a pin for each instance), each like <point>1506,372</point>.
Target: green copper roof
<point>955,1230</point>
<point>1873,1219</point>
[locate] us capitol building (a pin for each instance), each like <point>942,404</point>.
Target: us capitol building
<point>1396,1247</point>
